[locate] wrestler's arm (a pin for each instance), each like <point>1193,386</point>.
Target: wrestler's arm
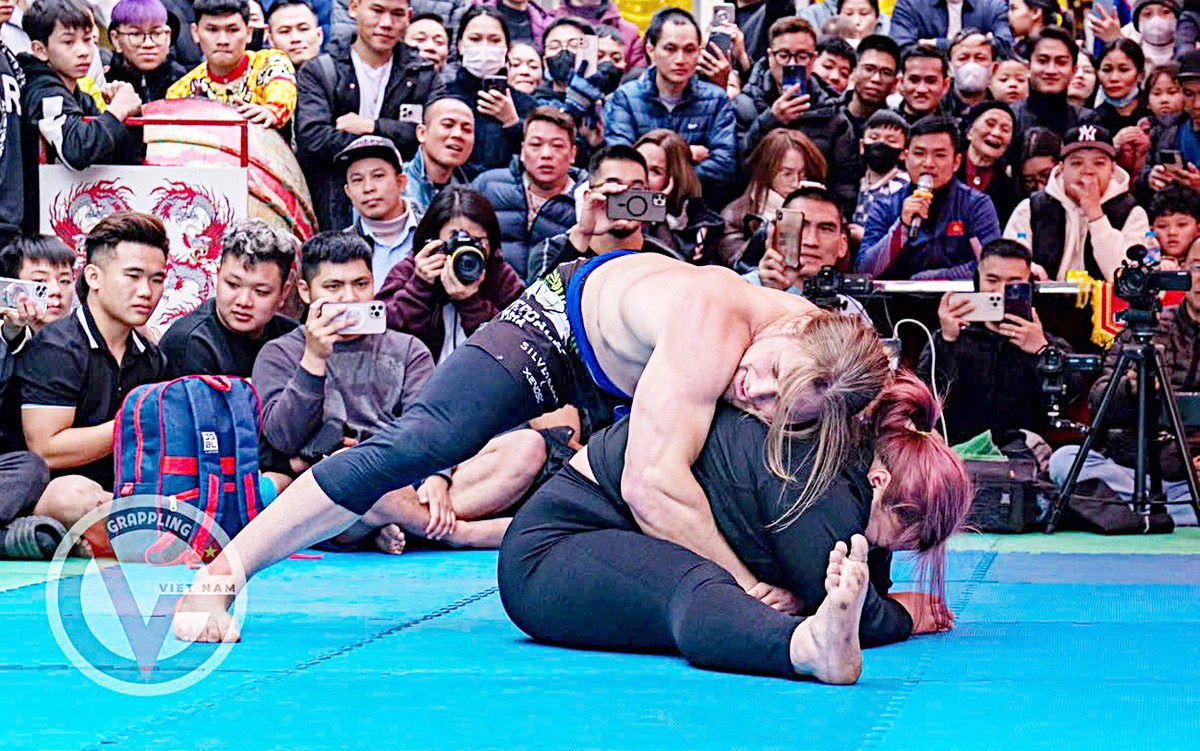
<point>692,364</point>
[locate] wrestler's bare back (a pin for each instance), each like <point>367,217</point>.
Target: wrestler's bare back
<point>628,301</point>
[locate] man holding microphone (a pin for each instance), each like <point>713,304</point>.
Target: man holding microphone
<point>935,229</point>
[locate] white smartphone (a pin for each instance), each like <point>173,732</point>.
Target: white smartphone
<point>989,306</point>
<point>411,113</point>
<point>589,54</point>
<point>365,317</point>
<point>789,223</point>
<point>13,290</point>
<point>724,13</point>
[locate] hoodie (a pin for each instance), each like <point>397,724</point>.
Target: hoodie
<point>1108,242</point>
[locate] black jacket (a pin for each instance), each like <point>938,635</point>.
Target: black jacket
<point>12,168</point>
<point>1041,111</point>
<point>825,123</point>
<point>494,144</point>
<point>990,384</point>
<point>78,144</point>
<point>151,86</point>
<point>327,89</point>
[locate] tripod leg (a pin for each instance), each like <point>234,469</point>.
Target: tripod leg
<point>1123,361</point>
<point>1141,499</point>
<point>1167,394</point>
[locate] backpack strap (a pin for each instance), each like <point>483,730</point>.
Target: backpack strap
<point>243,401</point>
<point>211,418</point>
<point>328,75</point>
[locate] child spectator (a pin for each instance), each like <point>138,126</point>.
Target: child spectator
<point>44,259</point>
<point>261,84</point>
<point>883,146</point>
<point>1175,218</point>
<point>142,39</point>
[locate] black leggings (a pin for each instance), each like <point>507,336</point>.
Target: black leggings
<point>574,570</point>
<point>467,401</point>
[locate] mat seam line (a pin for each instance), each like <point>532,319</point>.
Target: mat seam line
<point>891,711</point>
<point>256,683</point>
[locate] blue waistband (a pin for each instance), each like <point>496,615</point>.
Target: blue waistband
<point>575,318</point>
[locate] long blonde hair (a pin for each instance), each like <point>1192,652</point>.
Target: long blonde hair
<point>847,369</point>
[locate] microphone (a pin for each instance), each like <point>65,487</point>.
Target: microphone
<point>924,190</point>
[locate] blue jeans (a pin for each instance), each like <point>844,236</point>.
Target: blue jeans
<point>1119,479</point>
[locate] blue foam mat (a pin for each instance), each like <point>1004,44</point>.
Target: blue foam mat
<point>370,651</point>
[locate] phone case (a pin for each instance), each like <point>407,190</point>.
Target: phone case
<point>366,317</point>
<point>989,306</point>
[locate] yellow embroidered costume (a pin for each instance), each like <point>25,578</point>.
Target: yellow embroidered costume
<point>264,77</point>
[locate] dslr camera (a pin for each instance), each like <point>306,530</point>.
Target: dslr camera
<point>824,288</point>
<point>468,260</point>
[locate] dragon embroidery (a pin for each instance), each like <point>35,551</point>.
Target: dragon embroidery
<point>74,212</point>
<point>202,218</point>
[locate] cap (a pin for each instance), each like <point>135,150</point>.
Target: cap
<point>1189,65</point>
<point>1172,5</point>
<point>1088,137</point>
<point>366,147</point>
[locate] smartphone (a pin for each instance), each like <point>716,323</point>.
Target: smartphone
<point>411,113</point>
<point>588,54</point>
<point>989,306</point>
<point>495,83</point>
<point>1172,158</point>
<point>722,41</point>
<point>793,75</point>
<point>365,317</point>
<point>641,205</point>
<point>1018,300</point>
<point>724,13</point>
<point>13,290</point>
<point>789,223</point>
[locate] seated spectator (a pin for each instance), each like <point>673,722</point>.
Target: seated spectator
<point>884,145</point>
<point>955,222</point>
<point>561,42</point>
<point>835,60</point>
<point>613,170</point>
<point>1040,154</point>
<point>985,166</point>
<point>527,21</point>
<point>12,176</point>
<point>1114,455</point>
<point>260,84</point>
<point>873,79</point>
<point>779,163</point>
<point>924,82</point>
<point>360,89</point>
<point>764,104</point>
<point>692,230</point>
<point>424,295</point>
<point>1081,92</point>
<point>44,259</point>
<point>23,477</point>
<point>141,39</point>
<point>375,183</point>
<point>1051,68</point>
<point>610,48</point>
<point>427,33</point>
<point>1181,135</point>
<point>524,68</point>
<point>672,96</point>
<point>935,22</point>
<point>1086,217</point>
<point>1174,216</point>
<point>1119,69</point>
<point>74,374</point>
<point>77,133</point>
<point>534,196</point>
<point>293,27</point>
<point>225,334</point>
<point>322,390</point>
<point>972,62</point>
<point>1027,18</point>
<point>606,12</point>
<point>865,19</point>
<point>988,372</point>
<point>1010,82</point>
<point>1164,95</point>
<point>447,137</point>
<point>483,42</point>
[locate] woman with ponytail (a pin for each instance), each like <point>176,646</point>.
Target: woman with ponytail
<point>576,570</point>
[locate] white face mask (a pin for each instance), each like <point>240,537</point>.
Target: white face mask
<point>483,59</point>
<point>972,77</point>
<point>1158,31</point>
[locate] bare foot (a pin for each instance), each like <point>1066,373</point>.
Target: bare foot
<point>202,615</point>
<point>390,539</point>
<point>826,645</point>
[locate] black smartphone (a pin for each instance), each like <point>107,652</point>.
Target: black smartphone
<point>1173,158</point>
<point>495,83</point>
<point>723,42</point>
<point>1018,300</point>
<point>793,75</point>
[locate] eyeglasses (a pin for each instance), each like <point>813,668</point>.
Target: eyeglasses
<point>137,38</point>
<point>572,44</point>
<point>787,57</point>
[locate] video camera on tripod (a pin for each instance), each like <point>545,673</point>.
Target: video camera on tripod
<point>1139,283</point>
<point>827,286</point>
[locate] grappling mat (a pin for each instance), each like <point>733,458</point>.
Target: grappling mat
<point>1096,645</point>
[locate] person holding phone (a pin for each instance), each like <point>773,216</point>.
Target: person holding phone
<point>988,370</point>
<point>1175,144</point>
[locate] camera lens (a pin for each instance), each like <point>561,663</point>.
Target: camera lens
<point>637,205</point>
<point>468,264</point>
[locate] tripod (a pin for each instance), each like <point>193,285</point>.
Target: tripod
<point>1149,374</point>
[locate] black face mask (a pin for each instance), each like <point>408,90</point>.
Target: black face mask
<point>561,66</point>
<point>880,157</point>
